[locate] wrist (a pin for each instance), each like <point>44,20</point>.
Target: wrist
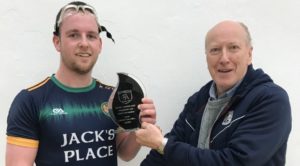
<point>161,147</point>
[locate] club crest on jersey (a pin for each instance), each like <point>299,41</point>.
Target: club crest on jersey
<point>228,118</point>
<point>125,96</point>
<point>104,109</point>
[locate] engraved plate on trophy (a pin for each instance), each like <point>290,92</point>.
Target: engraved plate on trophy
<point>124,101</point>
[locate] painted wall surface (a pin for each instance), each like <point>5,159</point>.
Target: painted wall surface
<point>160,42</point>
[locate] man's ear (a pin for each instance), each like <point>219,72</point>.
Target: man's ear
<point>100,45</point>
<point>56,42</point>
<point>250,55</point>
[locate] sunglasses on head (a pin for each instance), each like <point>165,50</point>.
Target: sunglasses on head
<point>79,8</point>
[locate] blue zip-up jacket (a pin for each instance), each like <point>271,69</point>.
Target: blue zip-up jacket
<point>252,130</point>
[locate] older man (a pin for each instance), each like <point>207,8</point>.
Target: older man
<point>241,117</point>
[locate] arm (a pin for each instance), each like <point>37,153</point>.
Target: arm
<point>22,137</point>
<point>149,135</point>
<point>152,137</point>
<point>262,133</point>
<point>127,145</point>
<point>19,155</point>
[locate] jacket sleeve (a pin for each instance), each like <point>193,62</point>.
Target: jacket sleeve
<point>177,134</point>
<point>262,132</point>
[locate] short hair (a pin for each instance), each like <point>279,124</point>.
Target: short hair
<point>244,27</point>
<point>248,35</point>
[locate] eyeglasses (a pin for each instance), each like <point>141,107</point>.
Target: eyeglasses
<point>78,8</point>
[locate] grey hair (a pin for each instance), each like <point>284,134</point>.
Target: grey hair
<point>248,36</point>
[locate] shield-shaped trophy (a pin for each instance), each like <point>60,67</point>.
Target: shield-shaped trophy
<point>124,101</point>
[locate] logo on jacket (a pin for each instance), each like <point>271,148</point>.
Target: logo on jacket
<point>228,118</point>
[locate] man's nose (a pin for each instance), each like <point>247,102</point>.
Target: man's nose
<point>224,56</point>
<point>83,42</point>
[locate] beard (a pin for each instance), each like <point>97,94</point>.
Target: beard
<point>77,67</point>
<point>82,70</point>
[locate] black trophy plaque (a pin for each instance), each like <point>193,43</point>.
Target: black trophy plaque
<point>124,101</point>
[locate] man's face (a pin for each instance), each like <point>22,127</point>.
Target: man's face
<point>228,54</point>
<point>79,43</point>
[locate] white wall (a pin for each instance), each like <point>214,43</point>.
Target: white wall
<point>161,42</point>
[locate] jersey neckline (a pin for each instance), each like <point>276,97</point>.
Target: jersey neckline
<point>71,89</point>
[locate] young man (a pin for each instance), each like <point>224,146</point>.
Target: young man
<point>241,117</point>
<point>63,120</point>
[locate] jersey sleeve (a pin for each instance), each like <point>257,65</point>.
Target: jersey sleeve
<point>22,121</point>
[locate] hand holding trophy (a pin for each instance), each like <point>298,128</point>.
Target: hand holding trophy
<point>124,101</point>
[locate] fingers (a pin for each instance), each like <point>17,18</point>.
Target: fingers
<point>148,115</point>
<point>159,129</point>
<point>148,112</point>
<point>147,119</point>
<point>144,125</point>
<point>146,100</point>
<point>149,135</point>
<point>150,126</point>
<point>146,104</point>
